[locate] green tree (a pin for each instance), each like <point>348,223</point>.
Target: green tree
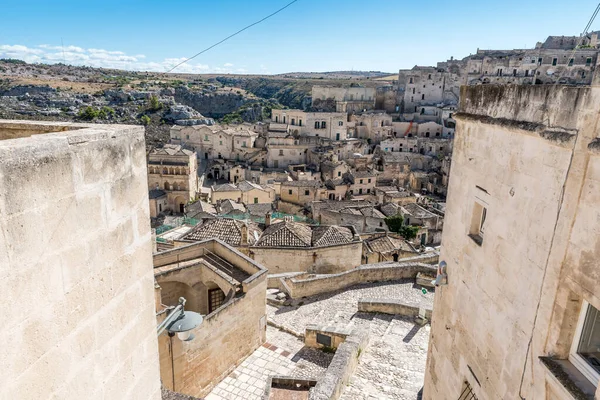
<point>106,112</point>
<point>145,120</point>
<point>396,224</point>
<point>154,104</point>
<point>88,114</point>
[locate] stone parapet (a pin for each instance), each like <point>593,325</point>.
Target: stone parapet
<point>391,306</point>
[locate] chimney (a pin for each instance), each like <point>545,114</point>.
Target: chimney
<point>268,219</point>
<point>244,231</point>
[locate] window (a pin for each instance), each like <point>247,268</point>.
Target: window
<point>429,77</point>
<point>588,61</point>
<point>514,72</point>
<point>413,90</point>
<point>422,97</point>
<point>276,118</point>
<point>317,125</point>
<point>290,191</point>
<point>284,119</point>
<point>369,180</point>
<point>280,152</point>
<point>361,181</point>
<point>467,392</point>
<point>323,124</point>
<point>478,223</point>
<point>306,192</point>
<point>368,190</point>
<point>221,142</point>
<point>205,137</point>
<point>256,200</point>
<point>585,350</point>
<point>244,143</point>
<point>427,134</point>
<point>339,173</point>
<point>187,137</point>
<point>359,191</point>
<point>411,80</point>
<point>299,122</point>
<point>554,61</point>
<point>571,62</point>
<point>216,297</point>
<point>437,134</point>
<point>540,61</point>
<point>341,123</point>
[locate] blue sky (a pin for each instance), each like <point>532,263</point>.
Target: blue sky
<point>310,35</point>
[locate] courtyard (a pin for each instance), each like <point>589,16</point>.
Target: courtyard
<point>392,367</point>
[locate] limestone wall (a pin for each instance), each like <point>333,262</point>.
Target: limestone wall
<point>390,306</point>
<point>390,271</point>
<point>527,154</point>
<point>76,265</point>
<point>223,340</point>
<point>321,260</point>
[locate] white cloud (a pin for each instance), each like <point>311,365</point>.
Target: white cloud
<point>102,58</point>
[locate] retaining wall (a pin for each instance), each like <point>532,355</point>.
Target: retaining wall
<point>390,306</point>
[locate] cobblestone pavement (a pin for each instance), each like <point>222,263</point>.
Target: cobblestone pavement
<point>393,366</point>
<point>282,354</point>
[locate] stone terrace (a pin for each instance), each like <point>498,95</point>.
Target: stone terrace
<point>392,367</point>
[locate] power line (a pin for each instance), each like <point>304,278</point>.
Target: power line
<point>234,34</point>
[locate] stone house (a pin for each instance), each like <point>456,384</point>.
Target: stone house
<point>158,202</point>
<point>225,191</point>
<point>347,99</point>
<point>333,169</point>
<point>521,246</point>
<point>295,247</point>
<point>302,192</point>
<point>75,260</point>
<point>175,171</point>
<point>361,182</point>
<point>229,290</point>
<point>414,214</point>
<point>316,207</point>
<point>336,189</point>
<point>363,218</point>
<point>371,126</point>
<point>235,233</point>
<point>285,151</point>
<point>386,246</point>
<point>328,125</point>
<point>215,141</point>
<point>253,193</point>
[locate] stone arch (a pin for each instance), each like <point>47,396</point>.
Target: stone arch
<point>171,291</point>
<point>179,204</point>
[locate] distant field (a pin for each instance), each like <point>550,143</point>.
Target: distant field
<point>387,78</point>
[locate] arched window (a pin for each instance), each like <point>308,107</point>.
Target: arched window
<point>323,124</point>
<point>426,134</point>
<point>317,124</point>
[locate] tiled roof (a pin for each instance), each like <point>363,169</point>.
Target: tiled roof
<point>246,186</point>
<point>229,205</point>
<point>200,206</point>
<point>172,150</point>
<point>286,234</point>
<point>350,210</point>
<point>330,235</point>
<point>332,183</point>
<point>386,243</point>
<point>387,189</point>
<point>294,234</point>
<point>259,209</point>
<point>226,187</point>
<point>417,211</point>
<point>302,183</point>
<point>156,193</point>
<point>225,229</point>
<point>398,194</point>
<point>368,211</point>
<point>390,209</point>
<point>363,174</point>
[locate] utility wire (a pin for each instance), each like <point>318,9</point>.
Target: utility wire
<point>234,34</point>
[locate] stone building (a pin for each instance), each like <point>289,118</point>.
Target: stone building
<point>75,260</point>
<point>363,218</point>
<point>302,192</point>
<point>295,247</point>
<point>229,290</point>
<point>244,192</point>
<point>372,126</point>
<point>519,315</point>
<point>328,125</point>
<point>216,142</point>
<point>386,246</point>
<point>174,170</point>
<point>346,99</point>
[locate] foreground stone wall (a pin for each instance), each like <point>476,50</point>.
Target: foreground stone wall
<point>527,154</point>
<point>390,271</point>
<point>76,265</point>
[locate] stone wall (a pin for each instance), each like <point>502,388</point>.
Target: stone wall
<point>321,260</point>
<point>331,385</point>
<point>527,155</point>
<point>390,306</point>
<point>390,271</point>
<point>226,336</point>
<point>76,265</point>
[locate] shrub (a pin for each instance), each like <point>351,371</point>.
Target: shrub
<point>396,224</point>
<point>88,114</point>
<point>154,104</point>
<point>145,120</point>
